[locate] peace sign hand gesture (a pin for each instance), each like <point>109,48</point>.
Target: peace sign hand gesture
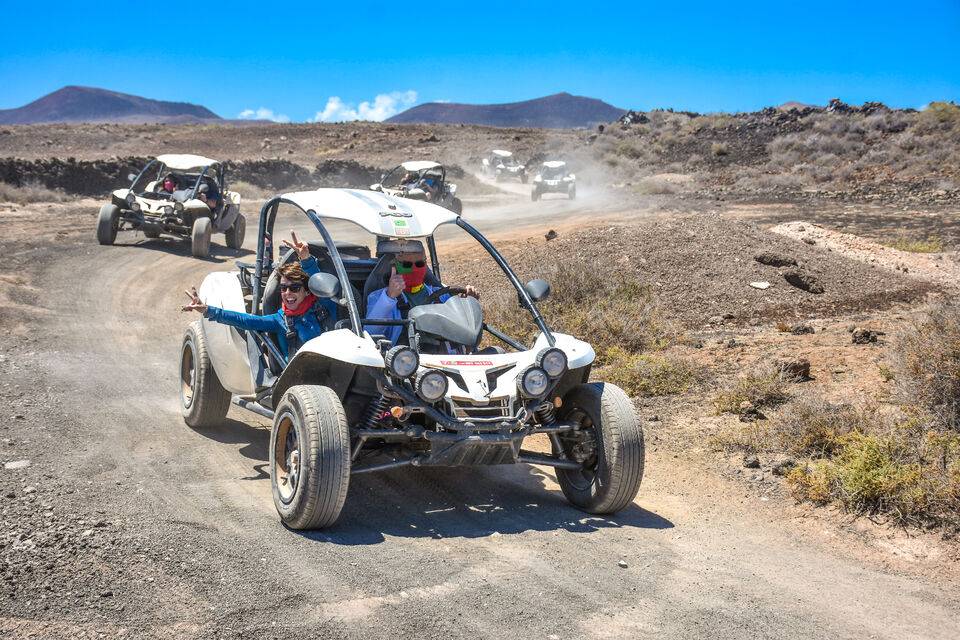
<point>196,304</point>
<point>301,248</point>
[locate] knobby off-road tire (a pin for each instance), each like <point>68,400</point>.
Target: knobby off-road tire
<point>572,193</point>
<point>457,206</point>
<point>615,478</point>
<point>523,178</point>
<point>535,195</point>
<point>236,232</point>
<point>203,400</point>
<point>108,223</point>
<point>309,493</point>
<point>200,239</point>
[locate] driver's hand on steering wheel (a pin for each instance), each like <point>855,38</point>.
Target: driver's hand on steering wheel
<point>396,285</point>
<point>471,291</point>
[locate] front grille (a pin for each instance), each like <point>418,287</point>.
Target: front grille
<point>464,408</point>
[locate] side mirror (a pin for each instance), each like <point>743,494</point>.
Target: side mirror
<point>324,285</point>
<point>537,289</point>
<point>376,187</point>
<point>131,177</point>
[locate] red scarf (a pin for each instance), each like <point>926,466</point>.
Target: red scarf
<point>301,308</point>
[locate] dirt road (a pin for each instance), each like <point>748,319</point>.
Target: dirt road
<point>184,542</point>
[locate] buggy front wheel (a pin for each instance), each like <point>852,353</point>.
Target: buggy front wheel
<point>309,457</point>
<point>200,238</point>
<point>108,223</point>
<point>609,445</point>
<point>236,232</point>
<point>203,400</point>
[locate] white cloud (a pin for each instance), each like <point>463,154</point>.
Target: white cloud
<point>383,106</point>
<point>263,114</point>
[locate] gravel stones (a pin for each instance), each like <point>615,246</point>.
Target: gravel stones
<point>774,259</point>
<point>15,465</point>
<point>795,370</point>
<point>751,461</point>
<point>865,336</point>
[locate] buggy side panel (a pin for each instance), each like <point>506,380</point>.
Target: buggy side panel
<point>228,350</point>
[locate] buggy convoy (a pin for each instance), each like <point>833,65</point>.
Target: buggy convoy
<point>170,195</point>
<point>554,178</point>
<point>502,165</point>
<point>420,180</point>
<point>348,402</point>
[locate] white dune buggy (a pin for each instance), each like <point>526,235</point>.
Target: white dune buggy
<point>502,165</point>
<point>169,196</point>
<point>553,177</point>
<point>349,402</point>
<point>420,180</point>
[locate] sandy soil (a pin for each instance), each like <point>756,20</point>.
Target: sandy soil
<point>127,522</point>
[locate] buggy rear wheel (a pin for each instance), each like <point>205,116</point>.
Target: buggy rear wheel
<point>572,193</point>
<point>535,195</point>
<point>523,178</point>
<point>108,223</point>
<point>203,400</point>
<point>457,206</point>
<point>609,445</point>
<point>236,232</point>
<point>309,457</point>
<point>200,238</point>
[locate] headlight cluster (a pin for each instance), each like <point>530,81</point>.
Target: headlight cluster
<point>131,199</point>
<point>168,210</point>
<point>135,206</point>
<point>178,206</point>
<point>534,381</point>
<point>403,362</point>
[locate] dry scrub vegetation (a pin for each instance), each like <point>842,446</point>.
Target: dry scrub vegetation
<point>29,193</point>
<point>899,459</point>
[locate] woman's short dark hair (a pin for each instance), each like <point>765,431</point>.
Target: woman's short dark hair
<point>294,272</point>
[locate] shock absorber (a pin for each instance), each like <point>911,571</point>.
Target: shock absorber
<point>546,413</point>
<point>377,408</point>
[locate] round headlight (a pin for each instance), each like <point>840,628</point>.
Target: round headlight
<point>168,210</point>
<point>431,385</point>
<point>130,198</point>
<point>402,361</point>
<point>135,206</point>
<point>178,206</point>
<point>534,382</point>
<point>553,361</point>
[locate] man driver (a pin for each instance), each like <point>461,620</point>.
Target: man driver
<point>405,289</point>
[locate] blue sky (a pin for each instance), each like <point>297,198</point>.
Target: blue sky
<point>292,58</point>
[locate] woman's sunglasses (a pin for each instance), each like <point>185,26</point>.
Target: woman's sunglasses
<point>294,287</point>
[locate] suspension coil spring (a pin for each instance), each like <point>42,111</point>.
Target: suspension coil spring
<point>376,410</point>
<point>546,413</point>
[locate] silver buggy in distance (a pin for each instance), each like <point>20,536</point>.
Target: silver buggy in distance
<point>553,177</point>
<point>420,180</point>
<point>348,402</point>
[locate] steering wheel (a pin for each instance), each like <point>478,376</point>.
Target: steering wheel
<point>434,297</point>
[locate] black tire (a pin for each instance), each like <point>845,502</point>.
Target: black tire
<point>200,239</point>
<point>203,400</point>
<point>309,457</point>
<point>523,178</point>
<point>236,232</point>
<point>457,206</point>
<point>108,222</point>
<point>151,234</point>
<point>572,193</point>
<point>611,477</point>
<point>535,195</point>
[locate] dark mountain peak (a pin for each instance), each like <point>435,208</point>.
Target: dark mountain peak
<point>90,104</point>
<point>557,111</point>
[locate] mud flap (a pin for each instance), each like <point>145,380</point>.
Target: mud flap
<point>227,218</point>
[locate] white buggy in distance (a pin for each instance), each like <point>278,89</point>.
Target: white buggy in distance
<point>420,180</point>
<point>168,196</point>
<point>349,402</point>
<point>502,165</point>
<point>554,178</point>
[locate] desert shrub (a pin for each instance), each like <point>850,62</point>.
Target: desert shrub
<point>630,149</point>
<point>942,113</point>
<point>30,192</point>
<point>812,427</point>
<point>652,185</point>
<point>249,191</point>
<point>931,244</point>
<point>719,149</point>
<point>762,386</point>
<point>926,360</point>
<point>618,312</point>
<point>649,374</point>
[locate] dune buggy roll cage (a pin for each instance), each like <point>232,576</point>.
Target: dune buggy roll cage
<point>268,215</point>
<point>221,183</point>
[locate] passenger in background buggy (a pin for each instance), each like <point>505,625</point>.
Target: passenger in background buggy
<point>302,315</point>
